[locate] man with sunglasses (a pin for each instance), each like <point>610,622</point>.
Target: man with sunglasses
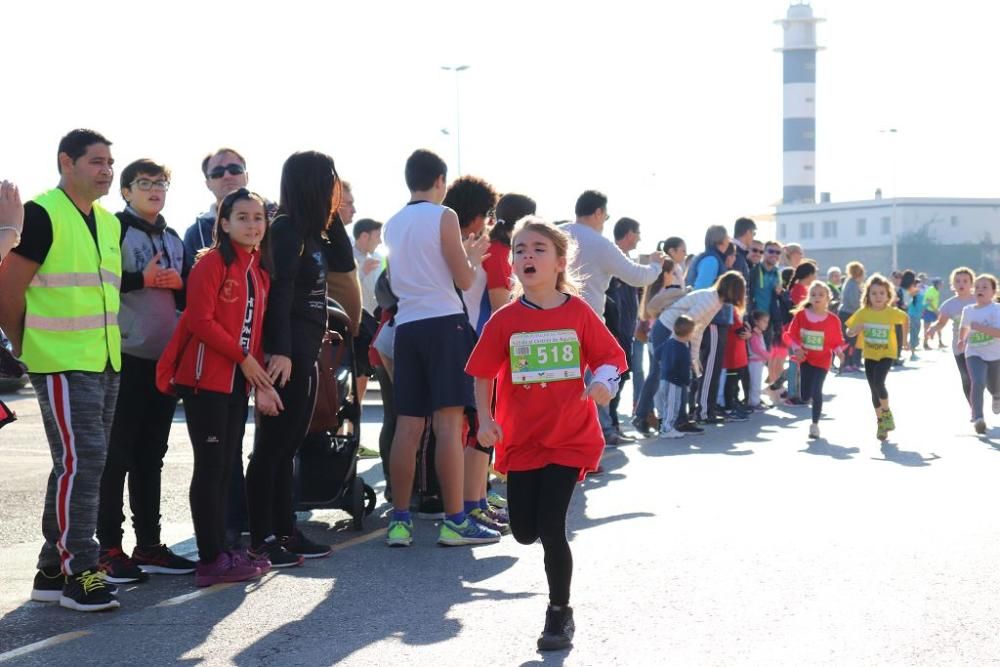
<point>756,254</point>
<point>225,171</point>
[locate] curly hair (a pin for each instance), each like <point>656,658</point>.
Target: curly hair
<point>470,197</point>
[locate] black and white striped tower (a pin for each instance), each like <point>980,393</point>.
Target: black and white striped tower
<point>799,67</point>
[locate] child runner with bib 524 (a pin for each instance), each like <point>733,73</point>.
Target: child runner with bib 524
<point>545,429</point>
<point>876,324</point>
<point>979,335</point>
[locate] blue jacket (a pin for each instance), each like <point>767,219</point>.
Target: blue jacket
<point>676,366</point>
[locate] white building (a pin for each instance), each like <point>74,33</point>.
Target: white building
<point>931,233</point>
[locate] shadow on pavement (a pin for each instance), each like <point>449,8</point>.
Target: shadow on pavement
<point>892,453</point>
<point>821,447</point>
<point>552,658</point>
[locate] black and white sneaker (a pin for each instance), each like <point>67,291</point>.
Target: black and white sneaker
<point>431,508</point>
<point>87,591</point>
<point>303,546</point>
<point>276,553</point>
<point>559,628</point>
<point>48,585</point>
<point>118,568</point>
<point>160,559</point>
<point>689,427</point>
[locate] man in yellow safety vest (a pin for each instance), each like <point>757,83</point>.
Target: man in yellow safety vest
<point>59,307</point>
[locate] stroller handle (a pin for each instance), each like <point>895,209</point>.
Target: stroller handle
<point>336,316</point>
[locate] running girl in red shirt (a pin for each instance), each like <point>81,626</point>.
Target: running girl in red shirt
<point>814,336</point>
<point>545,429</point>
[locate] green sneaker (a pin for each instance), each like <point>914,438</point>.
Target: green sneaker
<point>400,534</point>
<point>467,532</point>
<point>890,423</point>
<point>880,431</point>
<point>367,453</point>
<point>496,500</point>
<point>486,519</point>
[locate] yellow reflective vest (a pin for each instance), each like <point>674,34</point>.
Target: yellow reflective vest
<point>71,305</point>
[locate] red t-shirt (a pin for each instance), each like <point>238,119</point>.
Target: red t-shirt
<point>798,294</point>
<point>497,266</point>
<point>736,348</point>
<point>819,340</point>
<point>545,423</point>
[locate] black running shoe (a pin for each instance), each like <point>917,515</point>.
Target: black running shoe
<point>276,553</point>
<point>161,560</point>
<point>559,628</point>
<point>48,585</point>
<point>430,507</point>
<point>688,427</point>
<point>642,426</point>
<point>118,568</point>
<point>87,591</point>
<point>303,546</point>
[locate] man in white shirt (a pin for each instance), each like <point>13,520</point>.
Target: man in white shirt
<point>367,238</point>
<point>597,260</point>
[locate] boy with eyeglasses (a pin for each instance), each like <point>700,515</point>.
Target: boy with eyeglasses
<point>225,171</point>
<point>141,426</point>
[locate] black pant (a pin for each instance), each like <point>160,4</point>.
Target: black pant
<point>538,502</point>
<point>713,350</point>
<point>216,423</point>
<point>388,422</point>
<point>734,378</point>
<point>811,380</point>
<point>963,370</point>
<point>137,446</point>
<point>877,372</point>
<point>269,475</point>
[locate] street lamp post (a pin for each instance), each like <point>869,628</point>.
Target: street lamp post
<point>457,69</point>
<point>892,132</point>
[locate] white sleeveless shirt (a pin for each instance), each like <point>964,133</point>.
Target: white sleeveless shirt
<point>418,273</point>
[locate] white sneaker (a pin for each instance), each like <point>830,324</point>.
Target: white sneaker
<point>813,430</point>
<point>671,433</point>
<point>996,405</point>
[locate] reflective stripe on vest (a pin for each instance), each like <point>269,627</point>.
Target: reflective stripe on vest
<point>71,304</point>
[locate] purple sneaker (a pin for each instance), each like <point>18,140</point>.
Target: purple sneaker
<point>262,562</point>
<point>224,569</point>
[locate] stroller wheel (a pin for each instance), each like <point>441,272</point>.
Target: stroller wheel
<point>357,504</point>
<point>370,500</point>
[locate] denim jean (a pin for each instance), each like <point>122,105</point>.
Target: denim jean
<point>984,375</point>
<point>638,374</point>
<point>657,342</point>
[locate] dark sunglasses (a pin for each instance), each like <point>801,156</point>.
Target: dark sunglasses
<point>234,169</point>
<point>756,251</point>
<point>772,251</point>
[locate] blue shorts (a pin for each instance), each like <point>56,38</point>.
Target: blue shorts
<point>930,316</point>
<point>429,358</point>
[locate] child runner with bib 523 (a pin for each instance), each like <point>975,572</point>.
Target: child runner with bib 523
<point>876,324</point>
<point>979,336</point>
<point>545,428</point>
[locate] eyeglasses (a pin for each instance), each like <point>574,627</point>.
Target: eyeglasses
<point>757,251</point>
<point>145,184</point>
<point>234,169</point>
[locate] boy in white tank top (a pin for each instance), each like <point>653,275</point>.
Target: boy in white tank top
<point>428,263</point>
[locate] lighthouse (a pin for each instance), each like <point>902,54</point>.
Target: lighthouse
<point>799,107</point>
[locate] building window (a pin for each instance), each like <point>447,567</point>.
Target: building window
<point>829,229</point>
<point>862,227</point>
<point>806,230</point>
<point>886,226</point>
<point>783,231</point>
<point>954,221</point>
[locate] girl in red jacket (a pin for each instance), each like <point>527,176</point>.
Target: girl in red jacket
<point>814,336</point>
<point>213,360</point>
<point>545,428</point>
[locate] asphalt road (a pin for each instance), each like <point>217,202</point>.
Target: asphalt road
<point>749,545</point>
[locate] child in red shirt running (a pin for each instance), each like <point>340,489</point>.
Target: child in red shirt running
<point>545,428</point>
<point>814,336</point>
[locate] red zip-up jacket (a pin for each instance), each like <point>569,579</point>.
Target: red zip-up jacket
<point>223,323</point>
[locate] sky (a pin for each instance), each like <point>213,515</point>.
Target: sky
<point>673,109</point>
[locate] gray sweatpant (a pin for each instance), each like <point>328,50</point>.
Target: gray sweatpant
<point>77,410</point>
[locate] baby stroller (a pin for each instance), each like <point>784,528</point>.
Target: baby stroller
<point>326,465</point>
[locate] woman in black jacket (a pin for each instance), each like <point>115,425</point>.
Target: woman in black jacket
<point>304,245</point>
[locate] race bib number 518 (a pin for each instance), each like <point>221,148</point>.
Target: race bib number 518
<point>544,356</point>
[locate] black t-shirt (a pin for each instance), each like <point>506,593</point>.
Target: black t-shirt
<point>36,239</point>
<point>338,249</point>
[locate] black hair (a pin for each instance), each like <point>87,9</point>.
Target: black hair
<point>142,166</point>
<point>589,202</point>
<point>423,168</point>
<point>907,280</point>
<point>624,226</point>
<point>470,197</point>
<point>510,208</point>
<point>670,243</point>
<point>224,244</point>
<point>76,143</point>
<point>730,250</point>
<point>205,160</point>
<point>742,226</point>
<point>365,225</point>
<point>757,315</point>
<point>308,186</point>
<point>805,269</point>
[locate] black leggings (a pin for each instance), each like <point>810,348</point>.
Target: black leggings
<point>734,378</point>
<point>877,372</point>
<point>269,475</point>
<point>712,354</point>
<point>963,370</point>
<point>811,387</point>
<point>216,423</point>
<point>538,502</point>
